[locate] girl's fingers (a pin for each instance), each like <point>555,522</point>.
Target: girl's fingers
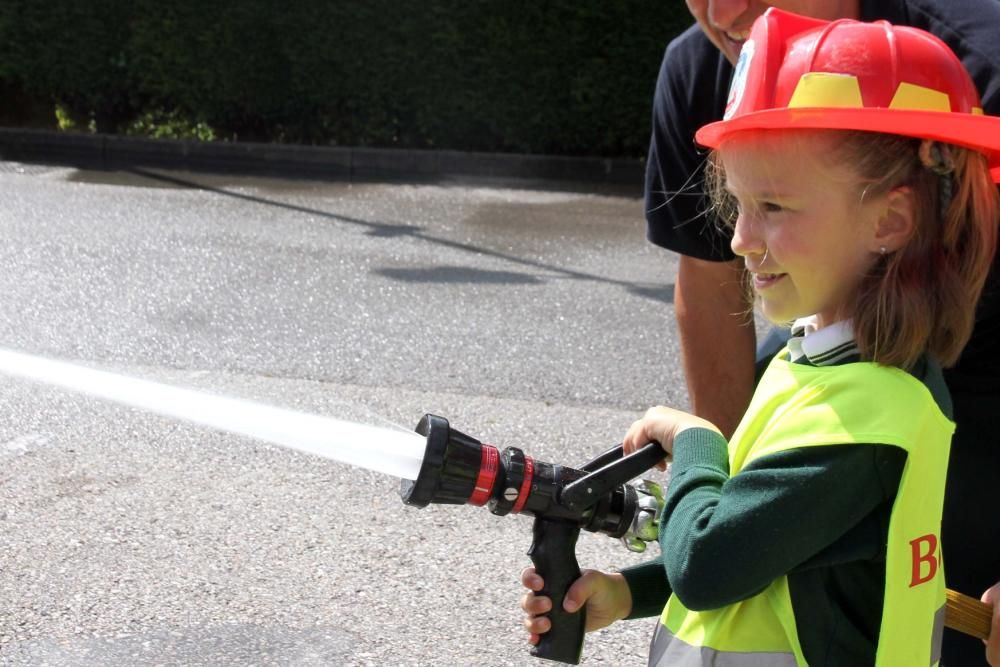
<point>537,625</point>
<point>535,605</point>
<point>531,580</point>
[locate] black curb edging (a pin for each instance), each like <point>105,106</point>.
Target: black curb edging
<point>112,152</point>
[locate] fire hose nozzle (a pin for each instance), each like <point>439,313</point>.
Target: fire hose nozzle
<point>450,467</point>
<point>458,469</point>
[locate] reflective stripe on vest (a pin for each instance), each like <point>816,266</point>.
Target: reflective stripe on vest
<point>666,650</point>
<point>796,406</point>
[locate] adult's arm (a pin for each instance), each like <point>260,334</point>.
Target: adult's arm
<point>717,349</point>
<point>717,339</point>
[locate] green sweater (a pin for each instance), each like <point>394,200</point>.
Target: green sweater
<point>818,514</point>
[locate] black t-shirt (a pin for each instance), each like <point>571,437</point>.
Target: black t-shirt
<point>692,90</point>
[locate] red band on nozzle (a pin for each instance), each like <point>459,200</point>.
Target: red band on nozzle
<point>529,475</point>
<point>487,475</point>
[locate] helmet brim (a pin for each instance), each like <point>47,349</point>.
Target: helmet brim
<point>977,132</point>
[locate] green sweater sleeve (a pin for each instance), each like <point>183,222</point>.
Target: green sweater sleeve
<point>648,582</point>
<point>724,539</point>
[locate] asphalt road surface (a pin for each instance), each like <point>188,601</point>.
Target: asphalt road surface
<point>527,317</point>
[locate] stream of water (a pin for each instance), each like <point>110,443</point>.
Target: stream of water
<point>396,453</point>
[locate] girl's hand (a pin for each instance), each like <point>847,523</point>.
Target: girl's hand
<point>606,597</point>
<point>662,425</point>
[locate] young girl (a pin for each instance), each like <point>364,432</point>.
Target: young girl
<point>856,165</point>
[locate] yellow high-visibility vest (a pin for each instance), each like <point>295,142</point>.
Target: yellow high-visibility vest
<point>795,406</point>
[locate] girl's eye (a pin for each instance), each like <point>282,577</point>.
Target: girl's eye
<point>771,207</point>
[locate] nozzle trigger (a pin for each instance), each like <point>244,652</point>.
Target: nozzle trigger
<point>590,488</point>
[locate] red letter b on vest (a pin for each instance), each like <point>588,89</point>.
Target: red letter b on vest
<point>924,550</point>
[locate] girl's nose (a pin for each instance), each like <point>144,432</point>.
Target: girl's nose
<point>746,241</point>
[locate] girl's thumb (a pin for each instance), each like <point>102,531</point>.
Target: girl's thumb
<point>579,592</point>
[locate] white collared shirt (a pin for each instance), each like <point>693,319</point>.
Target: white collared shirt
<point>821,347</point>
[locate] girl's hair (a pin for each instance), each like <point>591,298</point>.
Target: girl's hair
<point>922,297</point>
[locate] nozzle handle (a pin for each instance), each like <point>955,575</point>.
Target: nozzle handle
<point>613,471</point>
<point>553,553</point>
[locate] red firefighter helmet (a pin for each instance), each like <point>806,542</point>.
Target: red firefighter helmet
<point>798,72</point>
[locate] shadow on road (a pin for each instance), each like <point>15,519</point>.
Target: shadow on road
<point>663,293</point>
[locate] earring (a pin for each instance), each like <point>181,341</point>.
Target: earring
<point>881,250</point>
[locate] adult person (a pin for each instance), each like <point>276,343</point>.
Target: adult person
<point>709,296</point>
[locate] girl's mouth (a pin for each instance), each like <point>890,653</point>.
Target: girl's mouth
<point>762,281</point>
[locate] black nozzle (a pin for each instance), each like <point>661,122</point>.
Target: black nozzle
<point>458,469</point>
<point>450,469</point>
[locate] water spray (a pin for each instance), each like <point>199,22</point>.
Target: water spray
<point>396,453</point>
<point>440,465</point>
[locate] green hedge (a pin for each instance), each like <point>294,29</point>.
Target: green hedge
<point>556,76</point>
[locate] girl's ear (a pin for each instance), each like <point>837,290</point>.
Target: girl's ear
<point>897,221</point>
